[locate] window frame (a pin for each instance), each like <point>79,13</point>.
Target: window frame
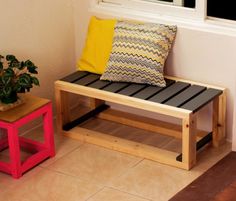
<point>175,2</point>
<point>197,13</point>
<point>190,18</point>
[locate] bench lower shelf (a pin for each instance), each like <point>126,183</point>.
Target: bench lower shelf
<point>137,148</point>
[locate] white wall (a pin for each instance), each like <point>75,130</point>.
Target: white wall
<point>43,31</point>
<point>197,55</point>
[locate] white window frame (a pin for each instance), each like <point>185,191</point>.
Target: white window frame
<point>167,9</point>
<point>193,18</point>
<point>175,2</point>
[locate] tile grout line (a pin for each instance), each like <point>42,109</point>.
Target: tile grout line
<point>95,194</point>
<point>141,160</point>
<point>79,146</point>
<point>129,193</point>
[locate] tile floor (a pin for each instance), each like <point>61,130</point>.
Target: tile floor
<point>85,172</point>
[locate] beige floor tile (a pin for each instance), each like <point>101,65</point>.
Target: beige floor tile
<point>64,145</point>
<point>210,156</point>
<point>93,163</point>
<point>155,181</point>
<point>7,182</point>
<point>4,155</point>
<point>46,185</point>
<point>109,194</point>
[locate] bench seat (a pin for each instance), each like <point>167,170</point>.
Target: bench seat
<point>180,98</point>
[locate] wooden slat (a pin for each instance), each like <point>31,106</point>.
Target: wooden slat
<point>141,122</point>
<point>194,82</point>
<point>169,92</point>
<point>99,84</point>
<point>120,99</point>
<point>116,86</point>
<point>145,123</point>
<point>152,90</point>
<point>202,99</point>
<point>88,79</point>
<point>126,146</point>
<point>74,76</point>
<point>185,96</point>
<point>132,89</point>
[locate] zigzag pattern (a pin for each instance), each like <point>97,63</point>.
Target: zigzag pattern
<point>136,60</point>
<point>133,40</point>
<point>133,55</point>
<point>139,52</point>
<point>142,78</point>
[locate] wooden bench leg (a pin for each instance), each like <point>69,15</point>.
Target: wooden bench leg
<point>189,126</point>
<point>218,119</point>
<point>95,102</point>
<point>62,108</point>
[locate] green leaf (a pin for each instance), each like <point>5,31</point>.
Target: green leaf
<point>7,91</point>
<point>1,65</point>
<point>6,80</point>
<point>10,57</point>
<point>22,65</point>
<point>14,63</point>
<point>9,72</point>
<point>1,93</point>
<point>29,63</point>
<point>32,69</point>
<point>35,81</point>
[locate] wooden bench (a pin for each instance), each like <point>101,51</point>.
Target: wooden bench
<point>181,99</point>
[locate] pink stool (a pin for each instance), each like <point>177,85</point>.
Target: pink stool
<point>11,120</point>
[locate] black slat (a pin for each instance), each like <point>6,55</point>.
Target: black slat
<point>85,117</point>
<point>115,87</point>
<point>99,84</point>
<point>74,76</point>
<point>132,89</point>
<point>201,100</point>
<point>169,92</point>
<point>185,95</point>
<point>151,90</point>
<point>90,78</point>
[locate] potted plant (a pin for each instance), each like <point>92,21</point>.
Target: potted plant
<point>15,77</point>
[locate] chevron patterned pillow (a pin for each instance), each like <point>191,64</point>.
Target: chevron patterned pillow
<point>139,52</point>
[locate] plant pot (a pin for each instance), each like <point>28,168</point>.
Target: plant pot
<point>10,99</point>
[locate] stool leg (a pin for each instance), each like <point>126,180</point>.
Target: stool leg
<point>48,130</point>
<point>14,149</point>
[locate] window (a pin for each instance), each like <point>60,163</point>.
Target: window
<point>187,9</point>
<point>207,15</point>
<point>170,2</point>
<point>192,8</point>
<point>219,9</point>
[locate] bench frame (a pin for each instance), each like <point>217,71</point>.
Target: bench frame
<point>188,129</point>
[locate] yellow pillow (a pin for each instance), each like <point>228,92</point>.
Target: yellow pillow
<point>98,45</point>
